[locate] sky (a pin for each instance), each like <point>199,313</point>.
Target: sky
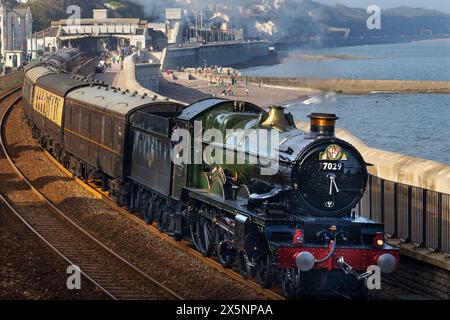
<point>441,5</point>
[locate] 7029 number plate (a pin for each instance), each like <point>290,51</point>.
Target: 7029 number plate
<point>331,166</point>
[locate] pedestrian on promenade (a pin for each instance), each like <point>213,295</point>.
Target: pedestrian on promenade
<point>246,91</point>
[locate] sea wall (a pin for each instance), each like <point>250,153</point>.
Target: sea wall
<point>355,85</point>
<point>222,54</point>
<point>146,70</point>
<point>131,72</point>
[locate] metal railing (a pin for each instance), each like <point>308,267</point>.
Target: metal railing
<point>411,214</point>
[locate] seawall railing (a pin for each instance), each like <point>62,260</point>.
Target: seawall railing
<point>411,214</point>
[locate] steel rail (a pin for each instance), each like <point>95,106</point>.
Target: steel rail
<point>59,213</point>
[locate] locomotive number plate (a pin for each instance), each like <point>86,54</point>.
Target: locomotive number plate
<point>331,166</point>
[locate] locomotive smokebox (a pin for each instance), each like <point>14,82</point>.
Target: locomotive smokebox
<point>322,125</point>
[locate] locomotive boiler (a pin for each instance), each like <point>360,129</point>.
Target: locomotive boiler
<point>282,214</point>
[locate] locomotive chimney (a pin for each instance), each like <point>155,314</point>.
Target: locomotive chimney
<point>322,125</point>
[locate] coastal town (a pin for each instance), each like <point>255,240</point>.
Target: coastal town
<point>131,165</point>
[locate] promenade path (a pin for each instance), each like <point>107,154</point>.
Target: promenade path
<point>113,76</point>
<point>189,91</point>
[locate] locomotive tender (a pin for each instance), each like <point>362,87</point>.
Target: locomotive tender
<point>295,227</point>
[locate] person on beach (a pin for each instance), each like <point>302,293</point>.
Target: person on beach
<point>230,90</point>
<point>246,91</point>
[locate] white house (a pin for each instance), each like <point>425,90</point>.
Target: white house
<point>16,23</point>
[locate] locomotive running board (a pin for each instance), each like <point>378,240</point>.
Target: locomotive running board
<point>230,206</point>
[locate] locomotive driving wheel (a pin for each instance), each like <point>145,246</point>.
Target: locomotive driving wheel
<point>225,250</point>
<point>163,215</point>
<point>201,233</point>
<point>291,283</point>
<point>152,210</point>
<point>264,270</point>
<point>246,265</point>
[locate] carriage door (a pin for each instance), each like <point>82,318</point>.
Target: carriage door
<point>180,170</point>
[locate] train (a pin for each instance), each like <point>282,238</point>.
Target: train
<point>284,215</point>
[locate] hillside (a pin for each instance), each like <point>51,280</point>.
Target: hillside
<point>44,11</point>
<point>309,18</point>
<point>286,20</point>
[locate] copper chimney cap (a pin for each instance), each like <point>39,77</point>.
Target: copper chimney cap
<point>322,125</point>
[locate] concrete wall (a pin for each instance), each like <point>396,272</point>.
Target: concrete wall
<point>129,74</point>
<point>356,85</point>
<point>420,278</point>
<point>222,54</point>
<point>146,73</point>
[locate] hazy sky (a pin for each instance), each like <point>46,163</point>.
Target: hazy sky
<point>442,5</point>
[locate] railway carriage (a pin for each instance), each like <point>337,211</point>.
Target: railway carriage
<point>48,108</point>
<point>294,227</point>
<point>30,78</point>
<point>102,126</point>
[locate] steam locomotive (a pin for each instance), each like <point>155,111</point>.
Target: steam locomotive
<point>295,227</point>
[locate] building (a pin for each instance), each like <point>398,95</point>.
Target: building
<point>93,34</point>
<point>16,23</point>
<point>42,41</point>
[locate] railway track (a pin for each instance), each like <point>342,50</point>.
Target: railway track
<point>111,273</point>
<point>67,251</point>
<point>183,245</point>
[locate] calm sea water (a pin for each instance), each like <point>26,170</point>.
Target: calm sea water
<point>412,124</point>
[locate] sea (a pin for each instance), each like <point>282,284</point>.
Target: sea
<point>412,124</point>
